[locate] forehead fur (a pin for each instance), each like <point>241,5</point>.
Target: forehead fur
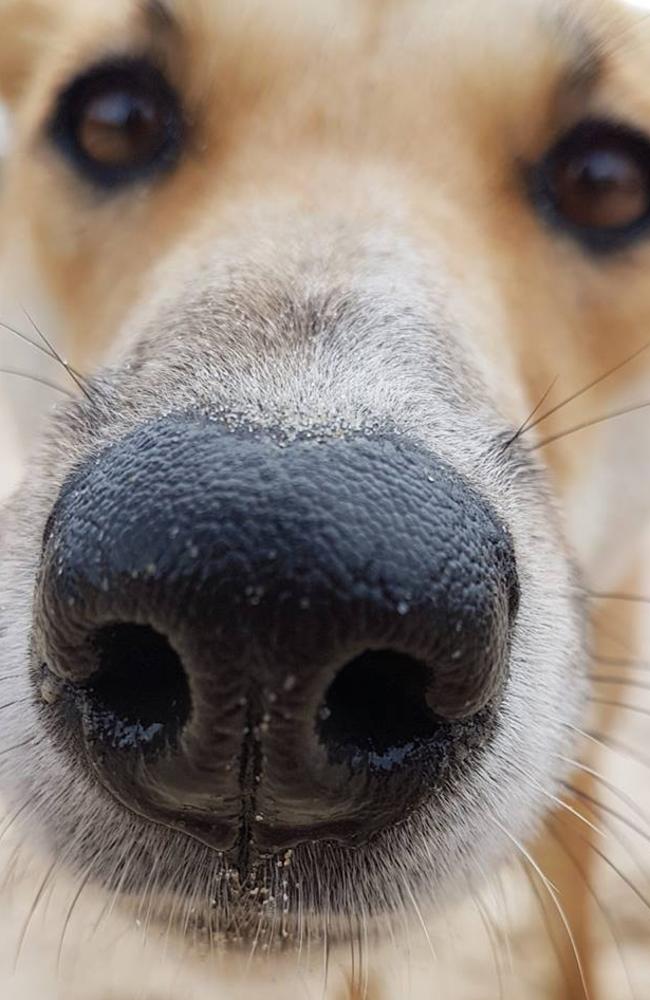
<point>396,30</point>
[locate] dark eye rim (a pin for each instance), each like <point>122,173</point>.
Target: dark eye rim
<point>131,73</point>
<point>597,240</point>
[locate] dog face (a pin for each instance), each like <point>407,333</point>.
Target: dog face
<point>288,612</point>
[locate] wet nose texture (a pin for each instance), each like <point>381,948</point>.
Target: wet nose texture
<point>265,642</point>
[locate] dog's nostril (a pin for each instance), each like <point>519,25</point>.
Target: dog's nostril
<point>140,689</point>
<point>377,704</point>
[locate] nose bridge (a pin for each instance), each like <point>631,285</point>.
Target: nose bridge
<point>281,213</point>
<point>259,595</point>
<point>307,322</point>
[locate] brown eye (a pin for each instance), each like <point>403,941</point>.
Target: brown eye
<point>596,184</point>
<point>120,128</point>
<point>119,122</point>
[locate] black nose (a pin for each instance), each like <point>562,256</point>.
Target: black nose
<point>275,641</point>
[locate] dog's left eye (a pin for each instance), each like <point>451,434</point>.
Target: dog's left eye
<point>595,183</point>
<point>119,122</point>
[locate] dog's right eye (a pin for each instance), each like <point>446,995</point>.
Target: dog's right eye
<point>595,184</point>
<point>119,122</point>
